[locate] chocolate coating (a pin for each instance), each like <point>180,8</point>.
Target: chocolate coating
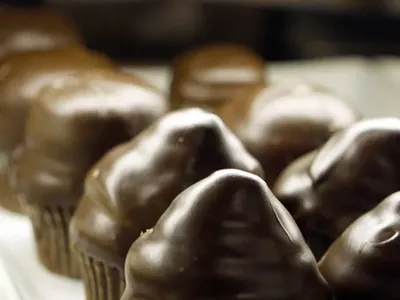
<point>226,237</point>
<point>129,189</point>
<point>280,123</point>
<point>72,124</point>
<point>22,76</point>
<point>364,262</point>
<point>327,190</point>
<point>210,76</point>
<point>34,29</point>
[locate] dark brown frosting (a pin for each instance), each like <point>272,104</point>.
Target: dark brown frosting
<point>364,263</point>
<point>280,123</point>
<point>73,123</point>
<point>27,29</point>
<point>22,76</point>
<point>129,189</point>
<point>211,75</point>
<point>226,237</point>
<point>327,190</point>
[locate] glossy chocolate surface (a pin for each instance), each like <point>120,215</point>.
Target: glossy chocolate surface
<point>327,190</point>
<point>72,124</point>
<point>226,237</point>
<point>364,263</point>
<point>29,29</point>
<point>22,76</point>
<point>129,189</point>
<point>210,76</point>
<point>280,123</point>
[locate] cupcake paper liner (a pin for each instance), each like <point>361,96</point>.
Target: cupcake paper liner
<point>50,227</point>
<point>7,199</point>
<point>101,281</point>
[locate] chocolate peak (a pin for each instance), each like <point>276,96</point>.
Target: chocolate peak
<point>192,122</point>
<point>282,122</point>
<point>131,186</point>
<point>369,134</point>
<point>364,262</point>
<point>206,139</point>
<point>225,237</point>
<point>210,76</point>
<point>327,190</point>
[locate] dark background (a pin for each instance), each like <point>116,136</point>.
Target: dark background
<point>154,31</point>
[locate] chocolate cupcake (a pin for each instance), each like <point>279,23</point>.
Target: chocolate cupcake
<point>34,29</point>
<point>130,188</point>
<point>226,237</point>
<point>327,190</point>
<point>280,123</point>
<point>21,78</point>
<point>364,262</point>
<point>210,76</point>
<point>71,125</point>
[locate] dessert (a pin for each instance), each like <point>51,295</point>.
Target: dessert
<point>327,190</point>
<point>21,78</point>
<point>226,237</point>
<point>29,29</point>
<point>71,125</point>
<point>363,262</point>
<point>210,76</point>
<point>280,123</point>
<point>131,186</point>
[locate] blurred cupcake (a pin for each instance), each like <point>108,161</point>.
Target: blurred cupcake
<point>71,125</point>
<point>34,29</point>
<point>21,78</point>
<point>210,76</point>
<point>280,123</point>
<point>131,186</point>
<point>226,237</point>
<point>364,262</point>
<point>328,189</point>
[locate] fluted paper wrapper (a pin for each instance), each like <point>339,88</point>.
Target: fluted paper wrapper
<point>101,281</point>
<point>50,228</point>
<point>7,198</point>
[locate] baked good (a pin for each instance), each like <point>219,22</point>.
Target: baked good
<point>70,126</point>
<point>129,189</point>
<point>211,75</point>
<point>34,29</point>
<point>327,190</point>
<point>226,237</point>
<point>21,78</point>
<point>278,124</point>
<point>363,262</point>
